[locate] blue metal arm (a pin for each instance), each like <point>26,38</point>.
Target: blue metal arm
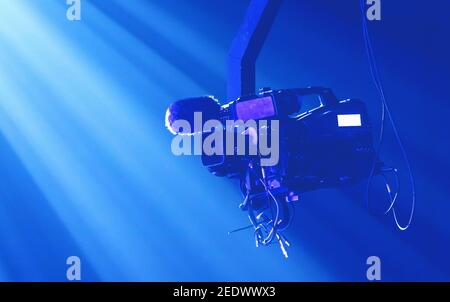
<point>247,46</point>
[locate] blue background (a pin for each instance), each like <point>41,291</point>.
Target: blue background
<point>85,161</point>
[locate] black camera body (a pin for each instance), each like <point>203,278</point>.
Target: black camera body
<point>321,146</point>
<point>327,146</point>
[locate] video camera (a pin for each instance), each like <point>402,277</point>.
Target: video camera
<point>325,145</point>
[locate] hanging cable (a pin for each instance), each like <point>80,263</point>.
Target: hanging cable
<point>385,112</point>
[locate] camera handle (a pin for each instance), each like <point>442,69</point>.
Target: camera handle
<point>326,95</point>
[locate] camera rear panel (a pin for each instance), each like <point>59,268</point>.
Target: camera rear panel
<point>330,146</point>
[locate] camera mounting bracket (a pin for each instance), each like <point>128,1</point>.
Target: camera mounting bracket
<point>247,45</point>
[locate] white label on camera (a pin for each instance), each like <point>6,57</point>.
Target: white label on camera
<point>349,120</point>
